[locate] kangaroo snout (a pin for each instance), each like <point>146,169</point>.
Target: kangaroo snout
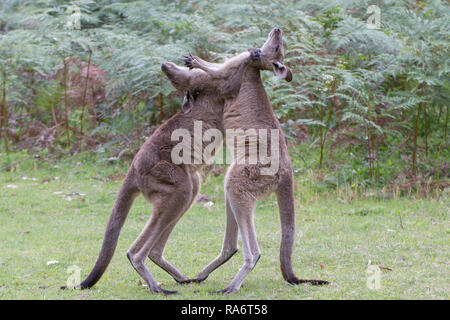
<point>171,71</point>
<point>276,33</point>
<point>165,67</point>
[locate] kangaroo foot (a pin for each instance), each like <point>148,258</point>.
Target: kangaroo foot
<point>163,291</point>
<point>227,290</point>
<point>187,281</point>
<point>198,280</point>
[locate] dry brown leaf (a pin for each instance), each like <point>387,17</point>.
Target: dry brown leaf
<point>384,268</point>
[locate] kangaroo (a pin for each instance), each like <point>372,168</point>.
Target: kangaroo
<point>170,187</point>
<point>246,183</point>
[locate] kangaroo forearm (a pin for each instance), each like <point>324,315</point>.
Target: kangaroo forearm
<point>212,71</point>
<point>223,71</point>
<point>209,64</point>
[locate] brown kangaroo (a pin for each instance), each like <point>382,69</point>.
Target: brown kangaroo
<point>245,183</point>
<point>170,187</point>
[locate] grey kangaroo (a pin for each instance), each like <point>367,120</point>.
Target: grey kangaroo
<point>246,183</point>
<point>171,188</point>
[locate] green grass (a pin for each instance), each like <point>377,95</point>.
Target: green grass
<point>336,240</point>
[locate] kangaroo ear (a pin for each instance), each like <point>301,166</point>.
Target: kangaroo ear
<point>188,103</point>
<point>282,71</point>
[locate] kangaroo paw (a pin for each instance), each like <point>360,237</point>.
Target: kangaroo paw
<point>190,62</point>
<point>255,54</point>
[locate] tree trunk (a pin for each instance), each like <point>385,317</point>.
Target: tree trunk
<point>66,103</point>
<point>323,137</point>
<point>438,168</point>
<point>83,106</point>
<point>4,115</point>
<point>55,121</point>
<point>416,128</point>
<point>426,128</point>
<point>370,154</point>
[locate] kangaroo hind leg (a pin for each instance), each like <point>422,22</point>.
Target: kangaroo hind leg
<point>168,208</point>
<point>243,207</point>
<point>156,254</point>
<point>229,247</point>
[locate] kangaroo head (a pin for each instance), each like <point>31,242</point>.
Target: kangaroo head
<point>180,78</point>
<point>273,55</point>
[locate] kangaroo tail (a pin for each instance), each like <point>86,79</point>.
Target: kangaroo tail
<point>286,207</point>
<point>127,193</point>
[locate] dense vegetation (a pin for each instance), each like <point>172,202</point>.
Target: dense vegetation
<point>369,106</point>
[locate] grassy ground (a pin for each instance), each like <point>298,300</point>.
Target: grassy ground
<point>59,212</point>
